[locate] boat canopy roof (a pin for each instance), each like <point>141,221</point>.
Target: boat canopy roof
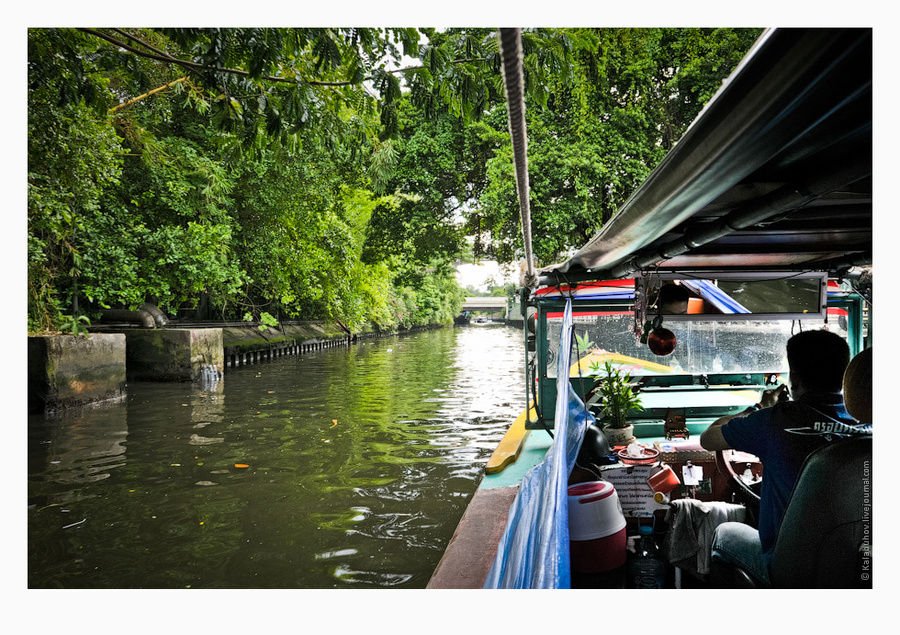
<point>774,174</point>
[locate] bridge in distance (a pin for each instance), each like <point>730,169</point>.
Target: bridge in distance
<point>492,304</point>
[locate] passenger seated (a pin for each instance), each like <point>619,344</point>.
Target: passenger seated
<point>825,540</point>
<point>782,433</point>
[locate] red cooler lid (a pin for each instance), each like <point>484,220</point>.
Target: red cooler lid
<point>599,490</point>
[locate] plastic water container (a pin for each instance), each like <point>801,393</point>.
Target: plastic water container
<point>596,527</point>
<point>646,568</point>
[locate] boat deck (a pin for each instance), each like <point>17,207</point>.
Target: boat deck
<point>472,548</point>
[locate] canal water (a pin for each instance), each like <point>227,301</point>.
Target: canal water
<point>343,468</point>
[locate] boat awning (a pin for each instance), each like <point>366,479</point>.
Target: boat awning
<point>774,174</point>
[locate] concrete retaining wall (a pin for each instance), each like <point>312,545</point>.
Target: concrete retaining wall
<point>173,354</point>
<point>247,344</point>
<point>64,370</point>
<point>67,371</point>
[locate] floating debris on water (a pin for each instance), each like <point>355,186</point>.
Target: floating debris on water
<point>196,439</point>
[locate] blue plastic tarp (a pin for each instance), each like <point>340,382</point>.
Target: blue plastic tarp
<point>715,296</point>
<point>534,550</point>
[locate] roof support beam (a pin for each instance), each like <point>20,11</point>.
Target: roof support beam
<point>784,199</point>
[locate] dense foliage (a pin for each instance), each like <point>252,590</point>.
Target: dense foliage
<point>631,95</point>
<point>319,173</point>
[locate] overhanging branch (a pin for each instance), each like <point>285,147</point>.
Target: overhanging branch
<point>160,56</point>
<point>130,102</point>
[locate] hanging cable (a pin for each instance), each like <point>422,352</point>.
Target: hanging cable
<point>514,82</point>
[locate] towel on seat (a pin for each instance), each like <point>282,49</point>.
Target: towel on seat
<point>692,524</point>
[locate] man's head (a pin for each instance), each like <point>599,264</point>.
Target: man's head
<point>858,387</point>
<point>817,360</point>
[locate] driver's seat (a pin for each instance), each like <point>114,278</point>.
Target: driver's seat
<point>825,540</point>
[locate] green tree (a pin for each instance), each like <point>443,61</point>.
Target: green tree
<point>601,131</point>
<point>135,192</point>
<point>72,158</point>
<point>305,173</point>
<point>425,295</point>
<point>174,209</point>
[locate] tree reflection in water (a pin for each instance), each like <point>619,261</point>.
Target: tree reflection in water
<point>359,464</point>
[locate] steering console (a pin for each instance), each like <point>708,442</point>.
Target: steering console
<point>744,493</point>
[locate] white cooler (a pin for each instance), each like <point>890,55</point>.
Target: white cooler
<point>596,527</point>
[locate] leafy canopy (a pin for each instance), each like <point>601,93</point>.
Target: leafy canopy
<point>330,172</point>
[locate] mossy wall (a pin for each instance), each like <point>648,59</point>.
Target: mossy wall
<point>243,339</point>
<point>64,370</point>
<point>173,354</point>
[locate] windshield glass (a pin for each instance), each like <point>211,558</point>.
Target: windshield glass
<point>703,347</point>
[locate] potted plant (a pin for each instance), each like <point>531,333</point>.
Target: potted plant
<point>616,396</point>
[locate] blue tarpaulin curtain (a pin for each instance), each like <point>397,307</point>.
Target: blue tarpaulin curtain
<point>534,550</point>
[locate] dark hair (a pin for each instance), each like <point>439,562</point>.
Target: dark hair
<point>818,359</point>
<point>858,387</point>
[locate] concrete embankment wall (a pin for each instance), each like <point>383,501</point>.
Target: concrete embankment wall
<point>248,344</point>
<point>68,371</point>
<point>166,354</point>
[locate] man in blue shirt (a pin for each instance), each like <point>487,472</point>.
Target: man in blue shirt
<point>782,433</point>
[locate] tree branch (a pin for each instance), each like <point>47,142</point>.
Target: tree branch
<point>161,56</point>
<point>461,60</point>
<point>145,95</point>
<point>138,40</point>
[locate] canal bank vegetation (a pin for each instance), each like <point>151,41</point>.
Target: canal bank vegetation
<point>337,174</point>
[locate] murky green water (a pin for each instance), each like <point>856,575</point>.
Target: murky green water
<point>360,463</point>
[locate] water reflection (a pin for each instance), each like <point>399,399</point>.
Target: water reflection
<point>79,446</point>
<point>341,468</point>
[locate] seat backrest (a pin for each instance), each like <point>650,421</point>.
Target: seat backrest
<point>825,540</point>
